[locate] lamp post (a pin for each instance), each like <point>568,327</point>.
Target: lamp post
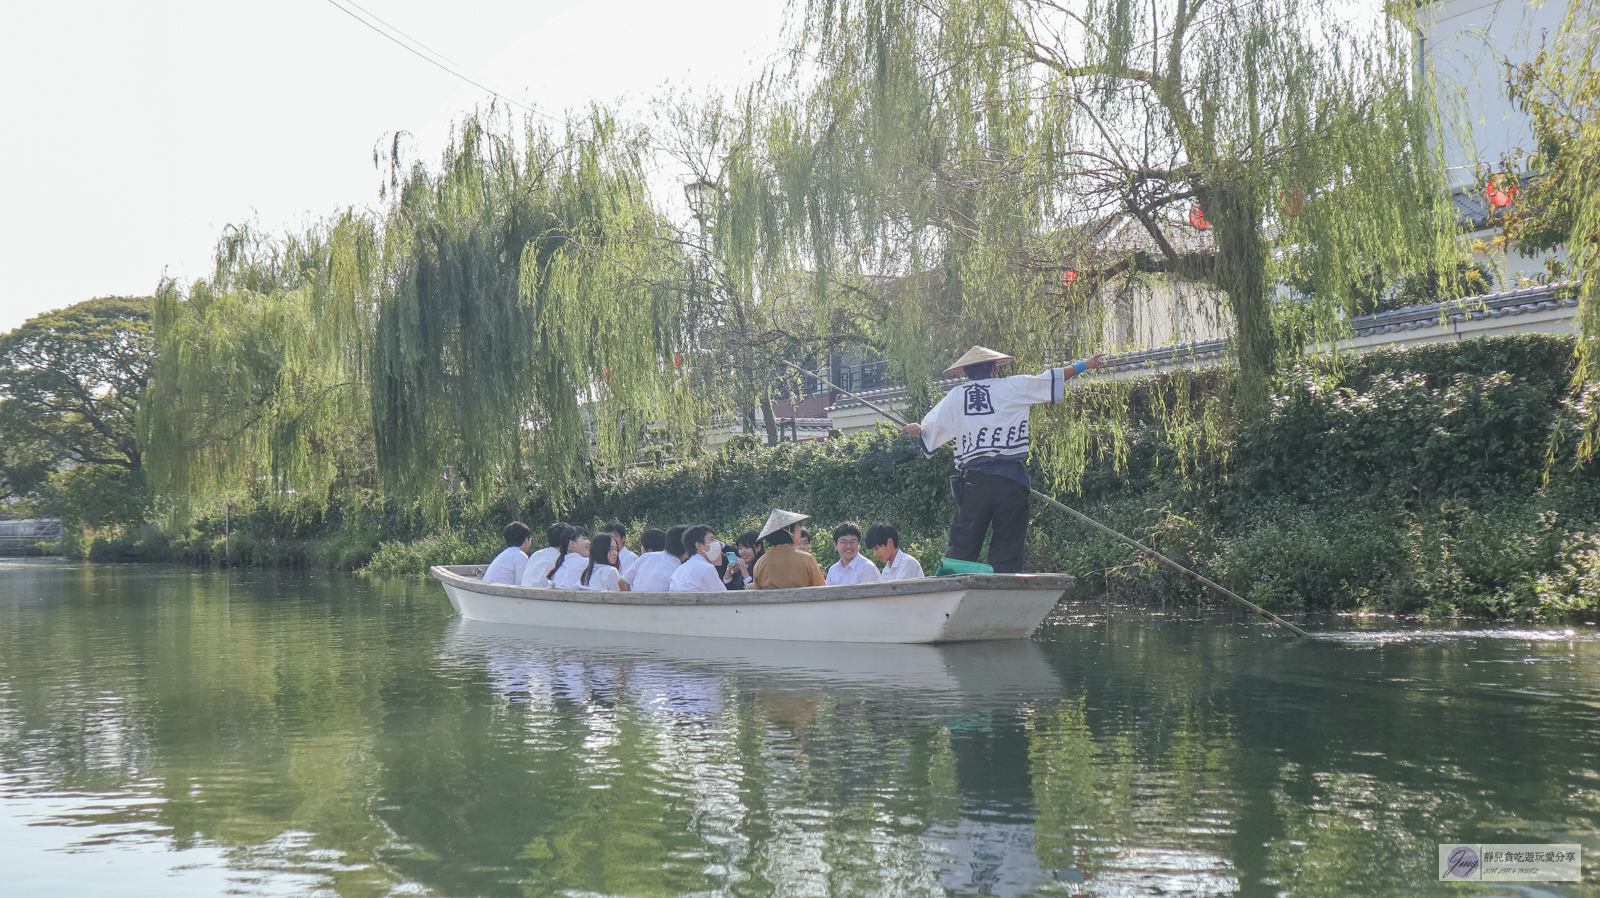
<point>702,195</point>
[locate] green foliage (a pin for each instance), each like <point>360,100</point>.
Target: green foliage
<point>461,330</point>
<point>1560,89</point>
<point>258,385</point>
<point>412,559</point>
<point>70,382</point>
<point>1408,480</point>
<point>520,280</point>
<point>998,137</point>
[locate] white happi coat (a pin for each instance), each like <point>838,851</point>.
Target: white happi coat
<point>989,418</point>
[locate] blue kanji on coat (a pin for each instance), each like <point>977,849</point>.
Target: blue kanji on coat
<point>978,400</point>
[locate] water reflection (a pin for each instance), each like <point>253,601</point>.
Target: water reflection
<point>163,731</point>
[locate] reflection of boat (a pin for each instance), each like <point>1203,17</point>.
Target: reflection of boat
<point>528,659</point>
<point>931,609</point>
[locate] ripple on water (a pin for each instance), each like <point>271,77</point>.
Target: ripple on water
<point>286,734</point>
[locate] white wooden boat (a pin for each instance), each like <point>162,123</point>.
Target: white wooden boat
<point>932,609</point>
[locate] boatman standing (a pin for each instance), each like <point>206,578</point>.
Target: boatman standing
<point>987,417</point>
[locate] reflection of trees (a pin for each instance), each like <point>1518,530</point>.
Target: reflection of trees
<point>248,725</point>
<point>301,728</point>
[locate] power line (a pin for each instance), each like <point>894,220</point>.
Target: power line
<point>431,60</point>
<point>385,23</point>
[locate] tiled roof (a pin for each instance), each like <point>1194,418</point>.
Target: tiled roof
<point>1491,305</point>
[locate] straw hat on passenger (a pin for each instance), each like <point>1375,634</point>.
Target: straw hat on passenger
<point>781,520</point>
<point>978,354</point>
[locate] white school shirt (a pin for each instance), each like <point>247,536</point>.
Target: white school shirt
<point>629,570</point>
<point>538,563</point>
<point>860,571</point>
<point>625,558</point>
<point>603,579</point>
<point>566,576</point>
<point>653,573</point>
<point>696,575</point>
<point>506,568</point>
<point>903,567</point>
<point>989,418</point>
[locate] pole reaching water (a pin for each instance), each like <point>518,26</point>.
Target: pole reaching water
<point>1090,521</point>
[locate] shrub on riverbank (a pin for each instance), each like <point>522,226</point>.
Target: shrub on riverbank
<point>1404,480</point>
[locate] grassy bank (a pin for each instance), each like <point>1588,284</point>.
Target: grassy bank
<point>1410,481</point>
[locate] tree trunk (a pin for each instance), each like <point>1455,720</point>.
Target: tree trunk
<point>1241,274</point>
<point>769,420</point>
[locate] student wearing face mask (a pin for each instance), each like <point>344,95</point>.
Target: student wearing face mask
<point>698,573</point>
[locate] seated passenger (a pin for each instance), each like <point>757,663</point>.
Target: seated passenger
<point>698,573</point>
<point>784,566</point>
<point>851,568</point>
<point>652,541</point>
<point>543,560</point>
<point>884,542</point>
<point>746,553</point>
<point>654,572</point>
<point>619,538</point>
<point>506,568</point>
<point>601,574</point>
<point>566,572</point>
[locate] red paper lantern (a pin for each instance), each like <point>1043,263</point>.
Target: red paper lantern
<point>1501,191</point>
<point>1067,277</point>
<point>677,361</point>
<point>607,375</point>
<point>1291,202</point>
<point>1197,218</point>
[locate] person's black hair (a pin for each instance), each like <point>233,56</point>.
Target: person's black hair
<point>516,533</point>
<point>805,532</point>
<point>653,540</point>
<point>847,528</point>
<point>979,370</point>
<point>554,532</point>
<point>781,537</point>
<point>752,539</point>
<point>674,543</point>
<point>599,553</point>
<point>617,528</point>
<point>694,536</point>
<point>573,532</point>
<point>879,535</point>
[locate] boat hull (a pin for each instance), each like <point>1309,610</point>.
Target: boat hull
<point>929,610</point>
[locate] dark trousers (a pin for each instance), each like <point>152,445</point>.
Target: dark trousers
<point>988,499</point>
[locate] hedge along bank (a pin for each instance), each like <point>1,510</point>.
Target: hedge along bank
<point>1405,480</point>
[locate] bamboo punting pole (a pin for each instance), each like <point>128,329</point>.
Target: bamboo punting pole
<point>1152,553</point>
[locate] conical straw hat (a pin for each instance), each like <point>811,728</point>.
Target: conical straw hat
<point>979,354</point>
<point>780,520</point>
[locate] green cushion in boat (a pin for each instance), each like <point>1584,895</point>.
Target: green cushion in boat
<point>949,566</point>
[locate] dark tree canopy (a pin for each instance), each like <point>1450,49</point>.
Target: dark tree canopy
<point>70,382</point>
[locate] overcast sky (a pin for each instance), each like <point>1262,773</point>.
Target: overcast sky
<point>134,132</point>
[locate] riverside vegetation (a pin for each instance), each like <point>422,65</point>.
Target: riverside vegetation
<point>380,389</point>
<point>1436,479</point>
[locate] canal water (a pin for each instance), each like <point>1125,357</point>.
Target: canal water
<point>170,732</point>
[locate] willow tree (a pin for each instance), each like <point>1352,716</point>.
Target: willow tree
<point>1561,90</point>
<point>510,317</point>
<point>756,292</point>
<point>260,380</point>
<point>1297,135</point>
<point>529,321</point>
